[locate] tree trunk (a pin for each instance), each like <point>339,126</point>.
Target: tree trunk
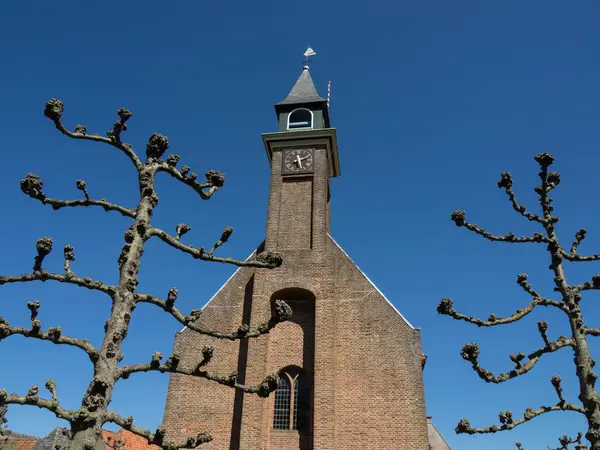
<point>87,432</point>
<point>584,368</point>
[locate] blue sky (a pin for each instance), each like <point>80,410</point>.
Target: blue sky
<point>432,100</point>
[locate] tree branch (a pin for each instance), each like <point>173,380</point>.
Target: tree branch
<point>32,398</point>
<point>115,444</point>
<point>282,313</point>
<point>549,181</point>
<point>565,441</point>
<point>592,331</point>
<point>445,308</point>
<point>57,204</point>
<point>589,285</point>
<point>470,352</point>
<point>522,281</point>
<point>44,275</point>
<point>53,334</point>
<point>506,183</point>
<point>214,179</point>
<point>508,423</point>
<point>32,185</point>
<point>224,238</point>
<point>464,427</point>
<point>579,236</point>
<point>458,217</point>
<point>268,385</point>
<point>575,257</point>
<point>556,381</point>
<point>156,438</point>
<point>54,110</point>
<point>44,248</point>
<point>265,260</point>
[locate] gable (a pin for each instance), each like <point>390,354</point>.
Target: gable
<point>436,441</point>
<point>361,274</point>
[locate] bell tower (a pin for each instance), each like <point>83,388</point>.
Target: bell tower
<point>303,156</point>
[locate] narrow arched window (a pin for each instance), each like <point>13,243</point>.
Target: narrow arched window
<point>300,118</point>
<point>281,418</point>
<point>291,401</point>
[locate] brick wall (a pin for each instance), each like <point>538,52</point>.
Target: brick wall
<point>196,405</point>
<point>362,357</point>
<point>296,202</point>
<point>378,370</point>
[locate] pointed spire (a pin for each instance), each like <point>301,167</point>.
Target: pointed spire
<point>303,91</point>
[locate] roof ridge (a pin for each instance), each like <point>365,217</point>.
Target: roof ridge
<point>21,435</point>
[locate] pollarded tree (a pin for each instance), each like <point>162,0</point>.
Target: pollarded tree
<point>569,297</point>
<point>86,422</point>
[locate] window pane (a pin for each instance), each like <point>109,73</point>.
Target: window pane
<point>301,395</point>
<point>281,418</point>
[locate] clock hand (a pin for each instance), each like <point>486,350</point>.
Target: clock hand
<point>299,162</point>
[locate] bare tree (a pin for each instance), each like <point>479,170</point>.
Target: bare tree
<point>569,297</point>
<point>87,421</point>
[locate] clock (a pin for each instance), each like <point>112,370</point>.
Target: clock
<point>298,161</point>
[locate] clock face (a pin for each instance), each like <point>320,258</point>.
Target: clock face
<point>298,161</point>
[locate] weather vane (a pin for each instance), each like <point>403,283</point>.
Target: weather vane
<point>309,52</point>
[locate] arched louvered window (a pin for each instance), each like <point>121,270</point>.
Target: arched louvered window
<point>291,401</point>
<point>300,118</point>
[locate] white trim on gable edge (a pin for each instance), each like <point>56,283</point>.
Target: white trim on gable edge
<point>369,280</point>
<point>224,284</point>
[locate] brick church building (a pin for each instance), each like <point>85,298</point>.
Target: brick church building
<point>350,364</point>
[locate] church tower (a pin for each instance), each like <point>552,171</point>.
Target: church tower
<point>350,364</point>
<point>303,156</point>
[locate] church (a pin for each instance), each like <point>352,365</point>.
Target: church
<point>350,365</point>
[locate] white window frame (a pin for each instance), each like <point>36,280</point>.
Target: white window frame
<point>312,119</point>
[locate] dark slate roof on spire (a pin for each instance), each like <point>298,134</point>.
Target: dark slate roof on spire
<point>303,91</point>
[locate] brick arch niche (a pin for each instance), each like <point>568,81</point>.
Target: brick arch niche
<point>291,355</point>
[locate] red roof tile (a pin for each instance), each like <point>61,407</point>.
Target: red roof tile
<point>132,441</point>
<point>25,443</point>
